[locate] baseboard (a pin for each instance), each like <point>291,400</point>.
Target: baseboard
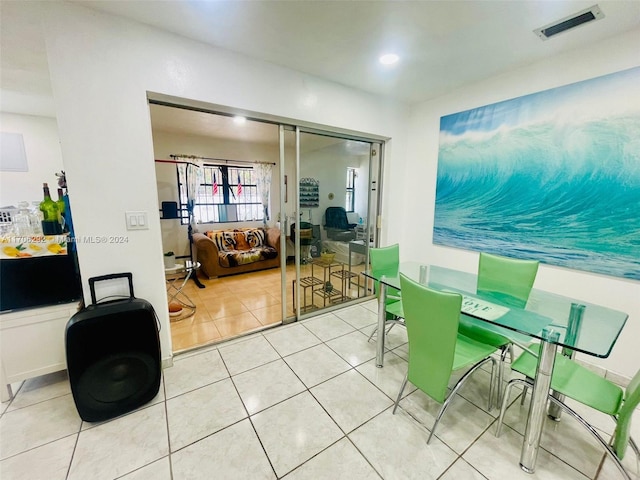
<point>614,377</point>
<point>167,362</point>
<point>618,379</point>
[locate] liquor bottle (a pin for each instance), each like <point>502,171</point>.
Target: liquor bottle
<point>50,213</point>
<point>36,218</point>
<point>61,209</point>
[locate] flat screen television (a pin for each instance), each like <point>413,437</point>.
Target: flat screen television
<point>39,281</point>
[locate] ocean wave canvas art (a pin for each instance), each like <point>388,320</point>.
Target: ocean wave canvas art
<point>552,176</point>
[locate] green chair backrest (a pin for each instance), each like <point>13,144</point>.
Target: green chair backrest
<point>385,261</point>
<point>431,318</point>
<point>510,276</point>
<point>631,401</point>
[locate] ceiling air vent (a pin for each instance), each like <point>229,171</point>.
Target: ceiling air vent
<point>567,23</point>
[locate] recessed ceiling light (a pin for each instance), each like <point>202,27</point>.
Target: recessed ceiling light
<point>239,120</point>
<point>389,59</point>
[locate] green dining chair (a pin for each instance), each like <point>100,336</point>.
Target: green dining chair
<point>386,260</point>
<point>436,348</point>
<point>584,386</point>
<point>508,277</point>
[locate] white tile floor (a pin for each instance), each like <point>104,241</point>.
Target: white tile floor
<point>303,401</point>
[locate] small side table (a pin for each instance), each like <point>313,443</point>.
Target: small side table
<point>346,279</point>
<point>334,295</point>
<point>305,283</point>
<point>174,287</point>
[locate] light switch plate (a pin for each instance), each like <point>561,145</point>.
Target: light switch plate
<point>137,220</point>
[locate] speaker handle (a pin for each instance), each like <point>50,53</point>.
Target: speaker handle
<point>111,276</point>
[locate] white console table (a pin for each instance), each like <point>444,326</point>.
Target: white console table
<point>32,343</point>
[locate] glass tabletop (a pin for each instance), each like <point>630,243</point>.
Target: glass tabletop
<point>182,267</point>
<point>581,326</point>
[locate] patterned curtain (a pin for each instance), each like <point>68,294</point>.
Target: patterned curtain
<point>263,182</point>
<point>191,176</point>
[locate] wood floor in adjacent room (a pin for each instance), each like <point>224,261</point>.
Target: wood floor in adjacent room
<point>236,305</point>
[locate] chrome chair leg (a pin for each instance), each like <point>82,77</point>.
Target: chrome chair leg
<point>455,389</point>
<point>525,389</point>
<point>404,384</point>
<point>634,447</point>
<point>569,411</point>
<point>372,334</point>
<point>632,442</point>
<point>595,435</point>
<point>392,322</point>
<point>503,356</point>
<point>505,400</point>
<point>491,384</point>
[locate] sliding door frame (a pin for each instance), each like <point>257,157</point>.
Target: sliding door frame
<point>287,124</point>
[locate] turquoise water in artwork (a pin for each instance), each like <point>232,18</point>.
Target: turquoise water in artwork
<point>563,188</point>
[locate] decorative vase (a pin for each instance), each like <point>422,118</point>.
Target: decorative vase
<point>169,261</point>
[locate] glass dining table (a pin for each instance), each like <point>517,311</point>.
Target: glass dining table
<point>554,320</point>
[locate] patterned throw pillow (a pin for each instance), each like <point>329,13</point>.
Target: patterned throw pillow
<point>225,241</point>
<point>255,237</point>
<point>241,241</point>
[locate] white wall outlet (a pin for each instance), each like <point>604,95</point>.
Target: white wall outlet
<point>137,220</point>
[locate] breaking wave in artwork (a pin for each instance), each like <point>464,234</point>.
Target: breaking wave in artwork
<point>567,195</point>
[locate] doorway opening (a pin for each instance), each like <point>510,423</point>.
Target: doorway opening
<point>308,261</point>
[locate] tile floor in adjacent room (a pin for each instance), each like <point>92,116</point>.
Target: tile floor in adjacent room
<point>302,401</point>
<point>238,304</point>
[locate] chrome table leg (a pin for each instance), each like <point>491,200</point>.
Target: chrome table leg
<point>540,390</point>
<point>382,316</point>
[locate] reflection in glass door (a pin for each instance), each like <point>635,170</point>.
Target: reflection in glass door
<point>331,227</point>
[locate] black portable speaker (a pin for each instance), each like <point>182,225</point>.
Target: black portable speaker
<point>113,355</point>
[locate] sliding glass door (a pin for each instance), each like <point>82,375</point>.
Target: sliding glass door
<point>313,217</point>
<point>331,223</point>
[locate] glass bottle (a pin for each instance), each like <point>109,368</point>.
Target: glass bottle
<point>36,217</point>
<point>22,224</point>
<point>50,213</point>
<point>60,203</point>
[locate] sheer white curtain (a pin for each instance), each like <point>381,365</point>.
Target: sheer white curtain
<point>191,177</point>
<point>263,182</point>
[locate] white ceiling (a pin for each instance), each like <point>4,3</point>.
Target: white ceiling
<point>187,122</point>
<point>442,44</point>
<point>180,121</point>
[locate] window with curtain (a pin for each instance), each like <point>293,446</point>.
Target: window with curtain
<point>350,198</point>
<point>226,194</point>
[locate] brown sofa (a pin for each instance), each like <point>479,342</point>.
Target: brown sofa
<point>225,252</point>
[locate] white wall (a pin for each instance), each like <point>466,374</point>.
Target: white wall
<point>330,169</point>
<point>614,55</point>
<point>44,158</point>
<point>101,70</point>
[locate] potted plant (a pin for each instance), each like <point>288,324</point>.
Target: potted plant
<point>327,255</point>
<point>169,259</point>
